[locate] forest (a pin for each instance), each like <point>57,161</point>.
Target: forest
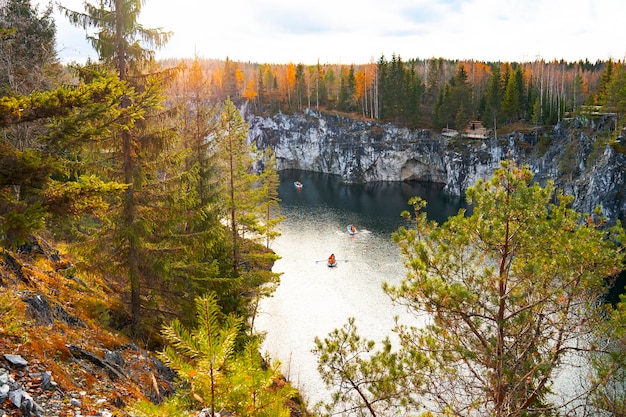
<point>141,169</point>
<point>423,93</point>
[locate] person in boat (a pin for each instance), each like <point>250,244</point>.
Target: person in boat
<point>352,228</point>
<point>331,259</point>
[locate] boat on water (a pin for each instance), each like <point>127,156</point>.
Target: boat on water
<point>351,229</point>
<point>332,264</point>
<point>298,184</point>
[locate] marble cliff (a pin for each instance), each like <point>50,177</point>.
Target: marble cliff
<point>363,151</point>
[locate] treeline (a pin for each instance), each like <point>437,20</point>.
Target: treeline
<point>424,93</point>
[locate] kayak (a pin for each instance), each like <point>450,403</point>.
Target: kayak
<point>351,229</point>
<point>330,265</point>
<point>298,184</point>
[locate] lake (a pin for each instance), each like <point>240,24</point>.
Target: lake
<point>313,299</point>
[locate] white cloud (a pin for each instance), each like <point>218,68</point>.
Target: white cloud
<point>351,31</point>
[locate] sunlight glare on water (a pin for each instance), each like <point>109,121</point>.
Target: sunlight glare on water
<point>313,299</point>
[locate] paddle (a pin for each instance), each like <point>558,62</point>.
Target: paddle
<point>336,260</point>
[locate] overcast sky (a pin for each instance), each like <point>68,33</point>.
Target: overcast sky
<point>360,31</point>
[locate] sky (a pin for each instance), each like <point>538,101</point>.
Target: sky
<point>361,31</point>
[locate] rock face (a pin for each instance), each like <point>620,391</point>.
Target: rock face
<point>363,151</point>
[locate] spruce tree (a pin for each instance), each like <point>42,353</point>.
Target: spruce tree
<point>214,374</point>
<point>512,98</point>
<point>493,99</point>
<point>246,201</point>
<point>122,44</point>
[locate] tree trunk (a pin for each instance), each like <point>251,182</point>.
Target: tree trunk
<point>128,167</point>
<point>233,213</point>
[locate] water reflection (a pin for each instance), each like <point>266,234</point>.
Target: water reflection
<point>314,299</point>
<point>380,202</point>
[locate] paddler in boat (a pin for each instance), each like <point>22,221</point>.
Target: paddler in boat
<point>352,228</point>
<point>331,259</point>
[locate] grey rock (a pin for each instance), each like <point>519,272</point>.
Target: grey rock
<point>16,397</point>
<point>45,313</point>
<point>4,392</point>
<point>114,358</point>
<point>15,360</point>
<point>39,309</point>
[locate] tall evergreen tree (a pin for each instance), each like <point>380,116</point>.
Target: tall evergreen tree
<point>605,79</point>
<point>493,99</point>
<point>246,201</point>
<point>454,107</point>
<point>383,90</point>
<point>512,290</point>
<point>28,62</point>
<point>123,45</point>
<point>47,128</point>
<point>269,206</point>
<point>230,82</point>
<point>615,95</point>
<point>301,86</point>
<point>344,103</point>
<point>321,95</point>
<point>512,98</point>
<point>235,162</point>
<point>28,58</point>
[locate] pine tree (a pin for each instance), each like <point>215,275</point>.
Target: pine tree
<point>362,380</point>
<point>202,259</point>
<point>493,99</point>
<point>28,59</point>
<point>235,162</point>
<point>247,199</point>
<point>269,198</point>
<point>53,180</point>
<point>615,95</point>
<point>256,387</point>
<point>27,62</point>
<point>509,293</point>
<point>510,289</point>
<point>512,99</point>
<point>605,79</point>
